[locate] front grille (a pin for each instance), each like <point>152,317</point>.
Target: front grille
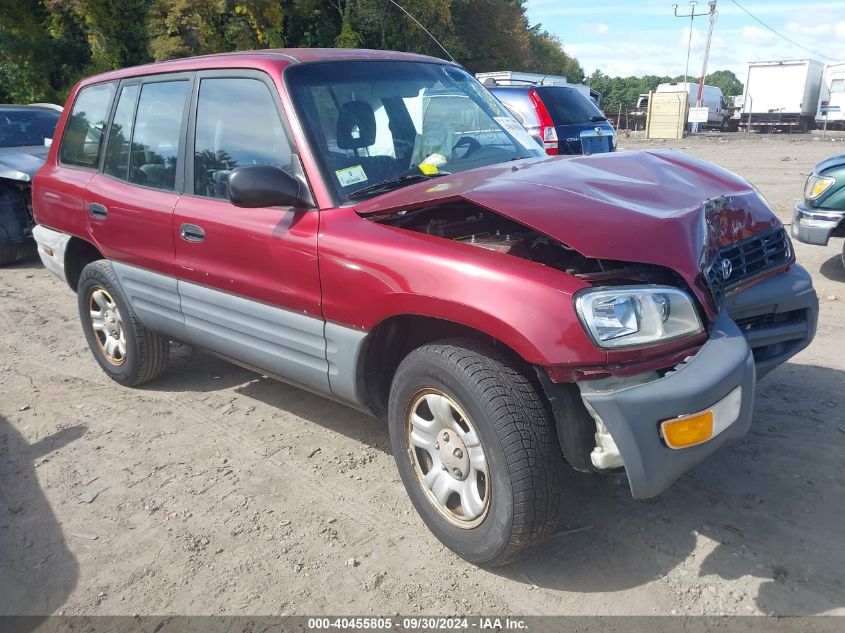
<point>747,259</point>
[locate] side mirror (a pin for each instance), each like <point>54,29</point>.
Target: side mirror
<point>253,186</point>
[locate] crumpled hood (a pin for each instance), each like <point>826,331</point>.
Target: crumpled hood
<point>21,163</point>
<point>656,207</point>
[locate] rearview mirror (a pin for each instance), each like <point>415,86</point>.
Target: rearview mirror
<point>253,186</point>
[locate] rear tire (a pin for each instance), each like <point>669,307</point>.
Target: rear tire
<point>127,351</point>
<point>481,403</point>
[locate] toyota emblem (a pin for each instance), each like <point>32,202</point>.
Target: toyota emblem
<point>727,268</point>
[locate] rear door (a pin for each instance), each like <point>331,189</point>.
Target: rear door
<point>248,278</point>
<point>130,202</point>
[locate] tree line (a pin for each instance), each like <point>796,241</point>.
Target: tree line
<point>47,45</point>
<point>616,91</point>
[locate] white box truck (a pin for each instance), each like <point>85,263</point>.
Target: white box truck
<point>832,98</point>
<point>781,95</point>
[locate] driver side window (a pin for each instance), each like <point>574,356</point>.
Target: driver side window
<point>237,124</point>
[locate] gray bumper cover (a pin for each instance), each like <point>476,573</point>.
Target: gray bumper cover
<point>814,226</point>
<point>633,414</point>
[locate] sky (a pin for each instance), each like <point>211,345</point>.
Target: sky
<point>643,37</point>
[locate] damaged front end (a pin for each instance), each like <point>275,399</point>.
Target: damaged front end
<point>666,398</point>
<point>659,423</point>
<point>706,398</point>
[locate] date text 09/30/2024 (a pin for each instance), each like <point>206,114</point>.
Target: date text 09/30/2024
<point>418,623</point>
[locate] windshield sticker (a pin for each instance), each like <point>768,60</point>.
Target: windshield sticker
<point>351,175</point>
<point>513,127</point>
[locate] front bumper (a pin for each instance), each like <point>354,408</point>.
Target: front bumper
<point>633,414</point>
<point>759,328</point>
<point>815,226</point>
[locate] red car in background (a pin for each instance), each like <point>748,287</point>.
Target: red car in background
<point>378,228</point>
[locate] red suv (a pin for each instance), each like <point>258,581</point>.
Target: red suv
<point>376,227</point>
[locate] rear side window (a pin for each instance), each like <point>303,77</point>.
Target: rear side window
<point>83,135</point>
<point>567,105</point>
<point>155,136</point>
<point>120,135</point>
<point>237,124</point>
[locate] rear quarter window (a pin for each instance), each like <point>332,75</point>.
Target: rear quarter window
<point>82,139</point>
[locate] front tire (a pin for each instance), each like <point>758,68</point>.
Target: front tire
<point>128,352</point>
<point>476,449</point>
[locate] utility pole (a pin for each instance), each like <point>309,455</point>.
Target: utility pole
<point>692,15</point>
<point>712,14</point>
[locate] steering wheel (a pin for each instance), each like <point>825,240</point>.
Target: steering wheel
<point>471,143</point>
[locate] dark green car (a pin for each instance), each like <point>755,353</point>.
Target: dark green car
<point>822,213</point>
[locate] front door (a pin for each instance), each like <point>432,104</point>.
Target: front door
<point>248,278</point>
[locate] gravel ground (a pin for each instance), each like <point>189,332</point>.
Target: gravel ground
<point>217,491</point>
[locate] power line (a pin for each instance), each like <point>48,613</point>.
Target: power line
<point>781,35</point>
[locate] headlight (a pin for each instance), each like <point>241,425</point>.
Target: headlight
<point>626,316</point>
<point>817,185</point>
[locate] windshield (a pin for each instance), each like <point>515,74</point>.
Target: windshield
<point>19,128</point>
<point>376,125</point>
<point>567,106</point>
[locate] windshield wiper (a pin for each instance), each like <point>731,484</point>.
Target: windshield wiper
<point>390,185</point>
<point>597,117</point>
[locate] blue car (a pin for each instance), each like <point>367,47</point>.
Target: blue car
<point>566,121</point>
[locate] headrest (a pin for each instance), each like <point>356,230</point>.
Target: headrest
<point>356,125</point>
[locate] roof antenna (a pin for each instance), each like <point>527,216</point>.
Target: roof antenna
<point>417,22</point>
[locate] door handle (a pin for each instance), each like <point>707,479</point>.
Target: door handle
<point>97,210</point>
<point>191,233</point>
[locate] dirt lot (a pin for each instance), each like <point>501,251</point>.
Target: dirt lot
<point>215,490</point>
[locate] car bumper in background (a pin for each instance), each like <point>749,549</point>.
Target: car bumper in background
<point>760,328</point>
<point>51,249</point>
<point>814,226</point>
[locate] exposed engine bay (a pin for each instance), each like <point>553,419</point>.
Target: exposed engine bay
<point>470,224</point>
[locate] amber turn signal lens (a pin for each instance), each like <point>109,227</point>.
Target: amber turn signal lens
<point>688,430</point>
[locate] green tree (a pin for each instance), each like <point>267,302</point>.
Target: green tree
<point>46,45</point>
<point>726,80</point>
<point>116,32</point>
<point>42,52</point>
<point>548,56</point>
<point>491,35</point>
